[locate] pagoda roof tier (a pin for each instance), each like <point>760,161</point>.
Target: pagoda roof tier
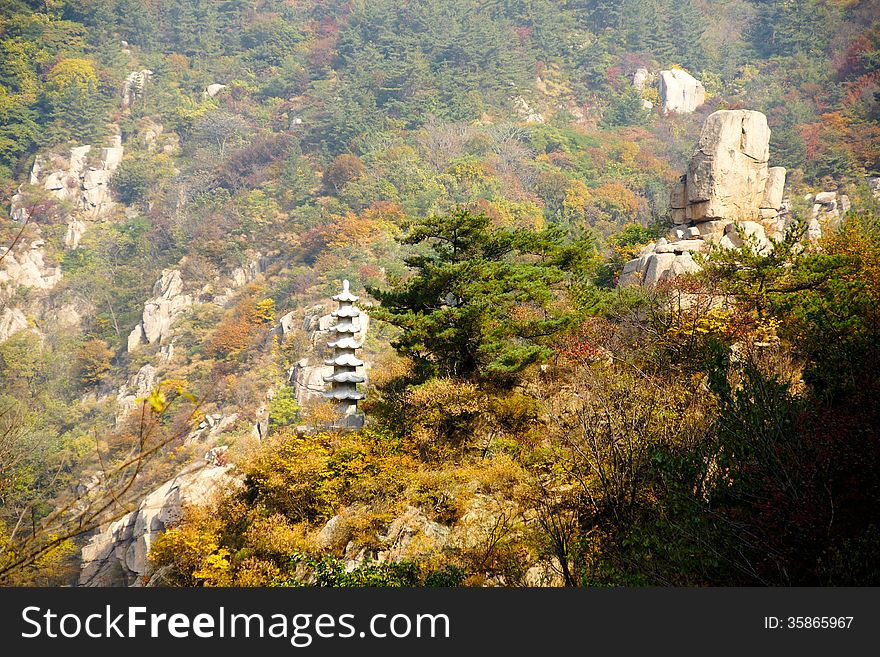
<point>344,343</point>
<point>345,377</point>
<point>345,295</point>
<point>347,311</point>
<point>344,394</point>
<point>348,360</point>
<point>345,327</point>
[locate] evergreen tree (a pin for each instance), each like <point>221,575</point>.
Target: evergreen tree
<point>76,108</point>
<point>195,28</point>
<point>138,23</point>
<point>603,14</point>
<point>686,25</point>
<point>482,301</point>
<point>626,109</point>
<point>660,39</point>
<point>635,27</point>
<point>787,27</point>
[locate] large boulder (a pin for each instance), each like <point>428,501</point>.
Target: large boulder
<point>728,172</point>
<point>728,197</point>
<point>413,536</point>
<point>641,78</point>
<point>680,92</point>
<point>27,268</point>
<point>12,320</point>
<point>213,89</point>
<point>117,555</point>
<point>161,311</point>
<point>773,190</point>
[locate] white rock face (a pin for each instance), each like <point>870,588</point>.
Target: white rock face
<point>214,89</point>
<point>12,320</point>
<point>308,381</point>
<point>75,231</point>
<point>27,269</point>
<point>67,316</point>
<point>211,427</point>
<point>139,386</point>
<point>134,86</point>
<point>287,323</point>
<point>526,112</point>
<point>239,277</point>
<point>738,234</point>
<point>728,173</point>
<point>161,311</point>
<point>728,197</point>
<point>71,180</point>
<point>641,78</point>
<point>828,210</point>
<point>773,190</point>
<point>250,271</point>
<point>680,92</point>
<point>335,534</point>
<point>117,555</point>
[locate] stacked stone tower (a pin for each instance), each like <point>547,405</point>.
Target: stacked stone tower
<point>345,363</point>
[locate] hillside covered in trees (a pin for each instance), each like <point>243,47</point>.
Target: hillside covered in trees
<point>186,183</point>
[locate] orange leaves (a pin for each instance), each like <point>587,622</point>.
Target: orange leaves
<point>351,230</point>
<point>835,130</point>
<point>242,327</point>
<point>353,234</point>
<point>618,201</point>
<point>94,361</point>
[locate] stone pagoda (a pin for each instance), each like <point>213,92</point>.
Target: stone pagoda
<point>345,363</point>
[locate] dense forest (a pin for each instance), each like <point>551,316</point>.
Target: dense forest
<point>481,171</point>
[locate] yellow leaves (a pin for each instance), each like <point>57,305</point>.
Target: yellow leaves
<point>765,329</point>
<point>357,231</point>
<point>72,73</point>
<point>468,172</point>
<point>194,549</point>
<point>265,311</point>
<point>627,153</point>
<point>615,197</point>
<point>56,554</point>
<point>577,196</point>
<point>715,322</point>
<point>158,398</point>
<point>215,570</point>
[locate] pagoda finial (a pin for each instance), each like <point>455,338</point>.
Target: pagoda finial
<point>345,285</point>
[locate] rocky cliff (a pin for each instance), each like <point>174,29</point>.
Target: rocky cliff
<point>161,311</point>
<point>117,554</point>
<point>728,193</point>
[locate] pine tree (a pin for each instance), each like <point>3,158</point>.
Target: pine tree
<point>787,27</point>
<point>138,23</point>
<point>482,301</point>
<point>184,22</point>
<point>661,40</point>
<point>604,14</point>
<point>686,26</point>
<point>195,28</point>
